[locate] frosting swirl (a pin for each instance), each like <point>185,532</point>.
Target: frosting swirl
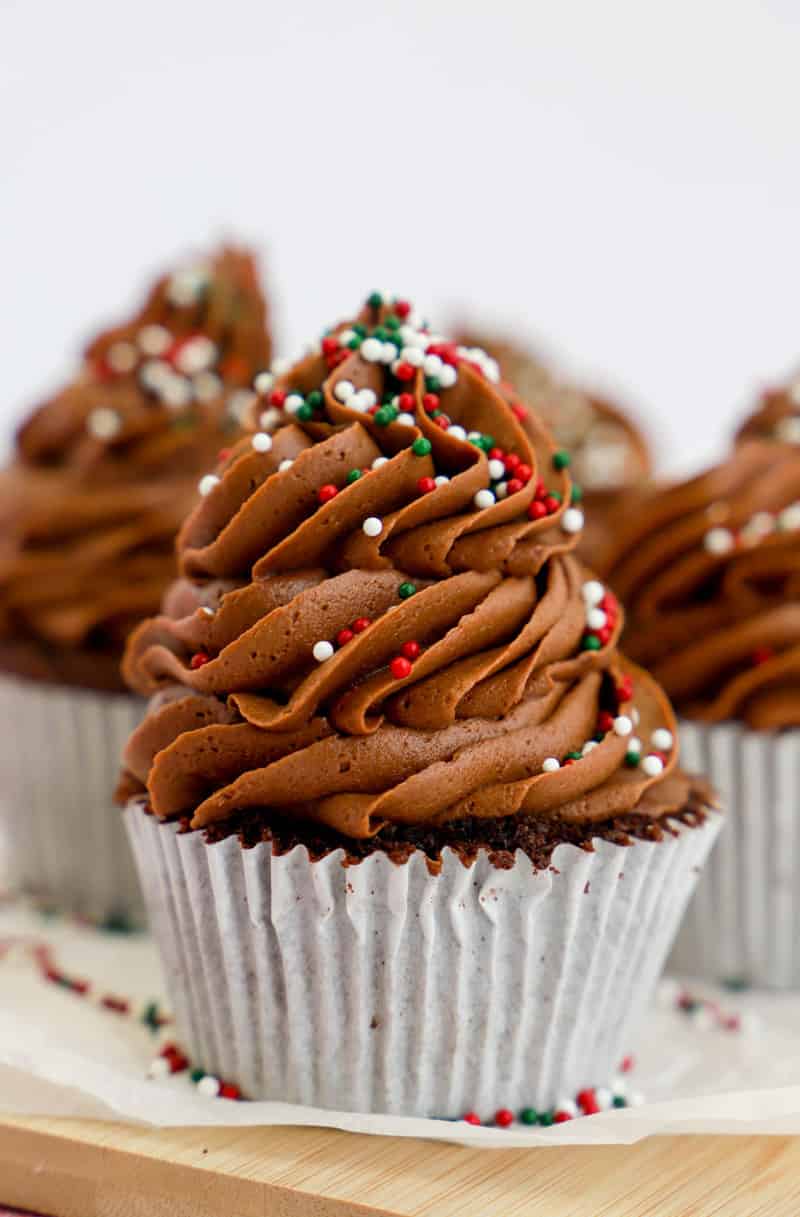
<point>709,571</point>
<point>380,619</point>
<point>106,470</point>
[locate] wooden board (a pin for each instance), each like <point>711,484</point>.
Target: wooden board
<point>70,1168</point>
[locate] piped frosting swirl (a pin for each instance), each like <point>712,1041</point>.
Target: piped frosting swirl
<point>381,620</point>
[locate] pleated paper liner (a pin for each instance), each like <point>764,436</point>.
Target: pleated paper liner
<point>382,988</point>
<point>64,839</point>
<point>743,924</point>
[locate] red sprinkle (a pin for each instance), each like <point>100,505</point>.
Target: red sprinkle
<point>223,455</point>
<point>605,634</point>
<point>560,1117</point>
<point>430,401</point>
<point>442,421</point>
<point>198,659</point>
<point>626,1064</point>
<point>360,624</point>
<point>411,650</point>
<point>327,492</point>
<point>330,345</point>
<point>587,1101</point>
<point>118,1004</point>
<point>519,411</point>
<point>401,667</point>
<point>404,371</point>
<point>761,655</point>
<point>551,504</point>
<point>512,462</point>
<point>497,454</point>
<point>605,721</point>
<point>402,308</point>
<point>277,397</point>
<point>624,689</point>
<point>228,1091</point>
<point>338,357</point>
<point>514,485</point>
<point>537,510</point>
<point>503,1117</point>
<point>426,485</point>
<point>405,401</point>
<point>471,1118</point>
<point>343,637</point>
<point>524,472</point>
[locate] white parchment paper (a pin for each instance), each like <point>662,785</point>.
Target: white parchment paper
<point>61,1054</point>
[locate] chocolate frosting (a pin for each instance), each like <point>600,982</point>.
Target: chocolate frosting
<point>777,415</point>
<point>709,571</point>
<point>106,470</point>
<point>380,619</point>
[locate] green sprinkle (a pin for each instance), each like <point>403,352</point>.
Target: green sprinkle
<point>355,343</point>
<point>573,756</point>
<point>380,333</point>
<point>406,589</point>
<point>314,398</point>
<point>546,1118</point>
<point>486,442</point>
<point>421,446</point>
<point>197,1075</point>
<point>432,384</point>
<point>392,323</point>
<point>360,329</point>
<point>590,642</point>
<point>577,493</point>
<point>619,1101</point>
<point>387,414</point>
<point>117,923</point>
<point>553,494</point>
<point>305,412</point>
<point>436,413</point>
<point>374,300</point>
<point>561,459</point>
<point>632,759</point>
<point>353,476</point>
<point>528,1115</point>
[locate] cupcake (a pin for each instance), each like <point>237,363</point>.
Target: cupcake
<point>411,831</point>
<point>777,416</point>
<point>609,451</point>
<point>709,572</point>
<point>103,474</point>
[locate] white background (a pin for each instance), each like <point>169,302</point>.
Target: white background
<point>618,180</point>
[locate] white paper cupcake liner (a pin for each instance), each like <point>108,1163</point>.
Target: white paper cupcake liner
<point>383,988</point>
<point>64,839</point>
<point>743,923</point>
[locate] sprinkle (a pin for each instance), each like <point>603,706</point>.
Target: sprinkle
<point>572,520</point>
<point>196,354</point>
<point>593,592</point>
<point>537,510</point>
<point>426,484</point>
<point>122,357</point>
<point>588,747</point>
<point>411,650</point>
<point>344,390</point>
<point>590,642</point>
<point>263,382</point>
<point>661,739</point>
<point>561,460</point>
<point>441,479</point>
<point>360,624</point>
<point>596,619</point>
<point>406,589</point>
<point>294,403</point>
<point>550,764</point>
<point>209,1086</point>
<point>403,371</point>
<point>407,420</point>
<point>379,461</point>
<point>789,518</point>
<point>371,349</point>
<point>652,765</point>
<point>103,423</point>
<point>497,470</point>
<point>209,612</point>
<point>484,499</point>
<point>327,492</point>
<point>285,464</point>
<point>322,650</point>
<point>500,490</point>
<point>198,660</point>
<point>447,377</point>
<point>400,667</point>
<point>421,446</point>
<point>343,637</point>
<point>718,540</point>
<point>528,1115</point>
<point>353,476</point>
<point>503,1118</point>
<point>372,526</point>
<point>622,725</point>
<point>786,429</point>
<point>456,431</point>
<point>154,339</point>
<point>471,1118</point>
<point>159,1068</point>
<point>261,441</point>
<point>206,386</point>
<point>207,484</point>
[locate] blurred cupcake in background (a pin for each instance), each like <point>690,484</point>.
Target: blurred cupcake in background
<point>412,831</point>
<point>609,452</point>
<point>777,416</point>
<point>709,573</point>
<point>102,475</point>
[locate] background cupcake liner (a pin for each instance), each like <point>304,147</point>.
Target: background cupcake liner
<point>64,840</point>
<point>743,923</point>
<point>383,988</point>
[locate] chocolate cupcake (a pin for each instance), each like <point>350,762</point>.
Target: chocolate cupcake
<point>402,847</point>
<point>709,572</point>
<point>103,474</point>
<point>609,451</point>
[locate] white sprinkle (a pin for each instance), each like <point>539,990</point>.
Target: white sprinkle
<point>604,1097</point>
<point>196,355</point>
<point>344,390</point>
<point>550,764</point>
<point>154,339</point>
<point>280,365</point>
<point>187,285</point>
<point>209,1086</point>
<point>448,376</point>
<point>787,430</point>
<point>322,650</point>
<point>388,352</point>
<point>269,419</point>
<point>285,464</point>
<point>432,365</point>
<point>345,336</point>
<point>407,420</point>
<point>364,399</point>
<point>635,1099</point>
<point>653,765</point>
<point>622,725</point>
<point>103,423</point>
<point>497,470</point>
<point>441,479</point>
<point>484,499</point>
<point>588,747</point>
<point>261,441</point>
<point>456,431</point>
<point>206,385</point>
<point>371,349</point>
<point>240,402</point>
<point>372,526</point>
<point>414,356</point>
<point>263,382</point>
<point>379,461</point>
<point>501,490</point>
<point>596,619</point>
<point>634,744</point>
<point>472,436</point>
<point>209,612</point>
<point>154,373</point>
<point>718,540</point>
<point>789,518</point>
<point>293,403</point>
<point>572,520</point>
<point>661,739</point>
<point>175,392</point>
<point>207,484</point>
<point>159,1068</point>
<point>593,592</point>
<point>122,357</point>
<point>568,1106</point>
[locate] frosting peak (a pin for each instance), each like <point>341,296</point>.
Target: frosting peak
<point>381,619</point>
